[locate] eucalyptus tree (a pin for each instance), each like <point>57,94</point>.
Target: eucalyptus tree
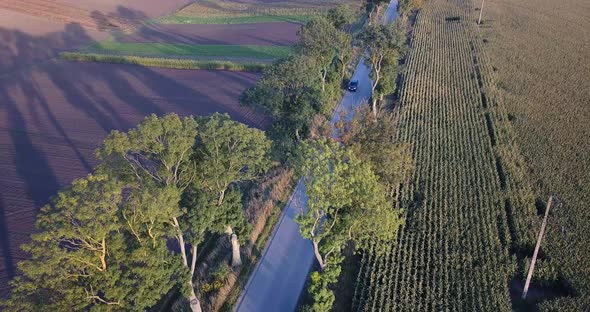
<point>326,44</point>
<point>103,242</point>
<point>374,141</point>
<point>83,256</point>
<point>289,91</point>
<point>154,160</point>
<point>383,43</point>
<point>228,153</point>
<point>346,201</point>
<point>341,17</point>
<point>374,8</point>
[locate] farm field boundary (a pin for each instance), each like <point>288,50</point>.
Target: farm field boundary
<point>166,49</point>
<point>164,62</point>
<point>175,19</point>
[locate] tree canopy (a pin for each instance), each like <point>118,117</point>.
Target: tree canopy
<point>103,242</point>
<point>85,257</point>
<point>383,43</point>
<point>346,201</point>
<point>374,141</point>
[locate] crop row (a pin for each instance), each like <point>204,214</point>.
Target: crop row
<point>454,250</point>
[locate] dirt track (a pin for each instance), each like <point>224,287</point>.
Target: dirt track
<point>255,34</point>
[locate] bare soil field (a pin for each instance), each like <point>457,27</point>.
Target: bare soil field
<point>130,9</point>
<point>93,15</point>
<point>235,34</point>
<point>540,51</point>
<point>53,114</point>
<point>33,31</point>
<point>63,13</point>
<point>52,118</point>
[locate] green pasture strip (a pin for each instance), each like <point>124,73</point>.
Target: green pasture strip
<point>179,19</point>
<point>166,49</point>
<point>164,62</point>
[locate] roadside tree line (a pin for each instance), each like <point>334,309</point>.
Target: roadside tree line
<point>124,236</point>
<point>353,171</point>
<point>351,181</point>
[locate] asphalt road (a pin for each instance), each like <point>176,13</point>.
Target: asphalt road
<point>279,277</point>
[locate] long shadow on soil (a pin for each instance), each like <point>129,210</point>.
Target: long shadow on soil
<point>54,113</point>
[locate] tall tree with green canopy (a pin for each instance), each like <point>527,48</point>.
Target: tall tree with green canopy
<point>346,201</point>
<point>383,43</point>
<point>154,160</point>
<point>374,141</point>
<point>289,92</point>
<point>227,153</point>
<point>341,17</point>
<point>374,8</point>
<point>326,44</point>
<point>83,257</point>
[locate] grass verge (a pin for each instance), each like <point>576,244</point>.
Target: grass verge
<point>179,19</point>
<point>163,62</point>
<point>145,49</point>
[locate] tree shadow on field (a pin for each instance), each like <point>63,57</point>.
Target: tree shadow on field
<point>54,114</point>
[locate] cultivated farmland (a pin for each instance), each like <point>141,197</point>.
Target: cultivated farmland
<point>251,11</point>
<point>541,53</point>
<point>237,43</point>
<point>469,210</point>
<point>220,34</point>
<point>54,113</point>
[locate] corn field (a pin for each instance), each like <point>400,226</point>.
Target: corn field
<point>467,207</point>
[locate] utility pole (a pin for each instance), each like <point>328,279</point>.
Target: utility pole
<point>480,12</point>
<point>539,239</point>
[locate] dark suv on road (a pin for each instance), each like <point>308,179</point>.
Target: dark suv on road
<point>353,85</point>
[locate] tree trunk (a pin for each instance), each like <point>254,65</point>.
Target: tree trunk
<point>342,70</point>
<point>374,107</point>
<point>318,256</point>
<point>194,260</point>
<point>180,239</point>
<point>236,259</point>
<point>221,197</point>
<point>194,302</point>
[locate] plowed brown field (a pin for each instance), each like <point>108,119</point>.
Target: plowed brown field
<point>53,114</point>
<point>247,34</point>
<point>53,117</point>
<point>64,13</point>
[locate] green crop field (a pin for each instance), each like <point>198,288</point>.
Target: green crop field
<point>541,52</point>
<point>164,62</point>
<point>165,49</point>
<point>470,212</point>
